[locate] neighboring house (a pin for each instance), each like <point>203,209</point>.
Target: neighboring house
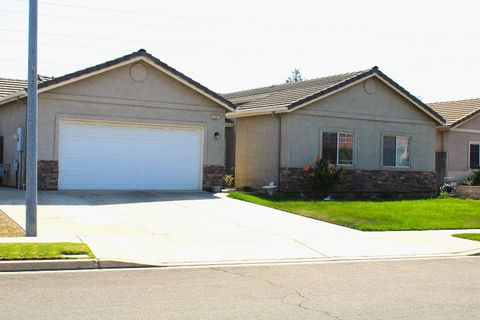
<point>458,143</point>
<point>129,123</point>
<point>363,121</point>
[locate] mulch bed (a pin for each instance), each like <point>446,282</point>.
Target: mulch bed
<point>9,228</point>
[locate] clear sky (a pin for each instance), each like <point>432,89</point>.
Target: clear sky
<point>432,48</point>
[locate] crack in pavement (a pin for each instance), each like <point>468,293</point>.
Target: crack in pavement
<point>291,291</point>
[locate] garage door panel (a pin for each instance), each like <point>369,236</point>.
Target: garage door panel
<point>101,156</point>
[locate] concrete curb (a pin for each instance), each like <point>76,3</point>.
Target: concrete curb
<point>65,264</point>
<point>86,264</point>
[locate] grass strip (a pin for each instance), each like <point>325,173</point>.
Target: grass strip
<point>43,251</point>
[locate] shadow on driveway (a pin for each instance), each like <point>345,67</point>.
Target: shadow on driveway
<point>100,197</point>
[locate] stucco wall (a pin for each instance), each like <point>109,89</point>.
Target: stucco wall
<point>457,152</point>
<point>256,157</point>
<point>458,146</point>
<point>114,96</point>
<point>12,116</point>
<point>473,123</point>
<point>368,116</point>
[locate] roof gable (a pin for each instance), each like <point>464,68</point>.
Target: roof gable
<point>290,97</point>
<point>140,55</point>
<point>457,112</point>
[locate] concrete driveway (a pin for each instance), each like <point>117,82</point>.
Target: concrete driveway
<point>168,228</point>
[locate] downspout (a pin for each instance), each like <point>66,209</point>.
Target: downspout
<point>279,156</point>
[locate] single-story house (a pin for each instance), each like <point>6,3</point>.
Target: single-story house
<point>363,121</point>
<point>458,142</point>
<point>129,123</point>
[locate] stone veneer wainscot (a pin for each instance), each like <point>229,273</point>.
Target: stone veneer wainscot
<point>47,175</point>
<point>213,176</point>
<point>369,183</point>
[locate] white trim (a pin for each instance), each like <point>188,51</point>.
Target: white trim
<point>188,84</point>
<point>409,99</point>
<point>469,148</point>
<point>396,145</point>
<point>256,112</point>
<point>465,130</point>
<point>331,93</point>
<point>463,120</point>
<point>338,132</point>
<point>22,93</point>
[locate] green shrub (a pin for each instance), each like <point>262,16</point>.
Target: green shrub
<point>229,180</point>
<point>322,177</point>
<point>476,178</point>
<point>473,179</point>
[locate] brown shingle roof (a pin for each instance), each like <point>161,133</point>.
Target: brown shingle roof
<point>9,86</point>
<point>292,95</point>
<point>456,112</point>
<point>285,94</point>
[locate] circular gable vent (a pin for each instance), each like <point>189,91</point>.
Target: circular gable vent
<point>138,72</point>
<point>369,86</point>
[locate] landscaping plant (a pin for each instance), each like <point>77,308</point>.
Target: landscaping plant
<point>322,177</point>
<point>473,179</point>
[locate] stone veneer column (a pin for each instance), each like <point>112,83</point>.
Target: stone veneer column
<point>212,176</point>
<point>48,174</point>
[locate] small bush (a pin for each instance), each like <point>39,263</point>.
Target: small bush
<point>473,179</point>
<point>322,177</point>
<point>229,180</point>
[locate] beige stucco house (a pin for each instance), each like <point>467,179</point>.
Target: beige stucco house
<point>363,121</point>
<point>458,142</point>
<point>129,123</point>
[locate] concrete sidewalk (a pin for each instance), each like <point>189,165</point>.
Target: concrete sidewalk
<point>181,228</point>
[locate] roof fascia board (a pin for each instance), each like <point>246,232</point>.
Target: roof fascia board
<point>410,99</point>
<point>465,130</point>
<point>13,96</point>
<point>155,65</point>
<point>465,119</point>
<point>254,112</point>
<point>363,79</point>
<point>23,93</point>
<point>331,93</point>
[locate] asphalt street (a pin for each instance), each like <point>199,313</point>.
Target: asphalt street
<point>446,288</point>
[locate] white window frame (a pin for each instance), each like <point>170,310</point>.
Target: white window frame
<point>469,148</point>
<point>396,145</point>
<point>338,146</point>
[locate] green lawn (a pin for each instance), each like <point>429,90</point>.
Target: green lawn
<point>428,214</point>
<point>43,251</point>
<point>469,236</point>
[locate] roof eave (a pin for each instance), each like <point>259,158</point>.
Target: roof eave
<point>465,119</point>
<point>255,112</point>
<point>13,96</point>
<point>140,55</point>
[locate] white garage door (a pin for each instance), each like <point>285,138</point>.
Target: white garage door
<point>115,157</point>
